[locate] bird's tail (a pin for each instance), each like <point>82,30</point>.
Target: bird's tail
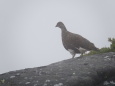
<point>96,49</point>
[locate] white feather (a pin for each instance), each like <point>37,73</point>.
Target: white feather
<point>82,50</point>
<point>71,52</point>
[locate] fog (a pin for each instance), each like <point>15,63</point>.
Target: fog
<point>29,38</point>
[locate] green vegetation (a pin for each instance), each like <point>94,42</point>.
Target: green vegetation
<point>105,49</point>
<point>2,81</point>
<point>112,46</point>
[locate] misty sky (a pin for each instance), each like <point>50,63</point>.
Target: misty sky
<point>29,38</point>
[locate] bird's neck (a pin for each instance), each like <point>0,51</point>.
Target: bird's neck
<point>63,28</point>
<point>64,32</point>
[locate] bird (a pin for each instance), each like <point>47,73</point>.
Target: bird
<point>75,43</point>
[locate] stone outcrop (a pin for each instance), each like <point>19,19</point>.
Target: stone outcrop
<point>95,70</point>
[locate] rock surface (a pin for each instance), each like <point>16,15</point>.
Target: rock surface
<point>95,70</point>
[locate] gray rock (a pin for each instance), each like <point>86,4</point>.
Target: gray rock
<point>95,70</point>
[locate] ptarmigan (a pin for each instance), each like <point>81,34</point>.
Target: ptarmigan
<point>74,43</point>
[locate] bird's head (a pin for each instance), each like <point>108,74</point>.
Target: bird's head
<point>61,25</point>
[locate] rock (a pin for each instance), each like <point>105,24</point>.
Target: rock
<point>27,83</point>
<point>95,70</point>
<point>12,77</point>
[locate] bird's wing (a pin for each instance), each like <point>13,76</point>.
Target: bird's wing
<point>79,41</point>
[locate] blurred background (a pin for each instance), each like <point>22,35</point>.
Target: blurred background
<point>29,38</point>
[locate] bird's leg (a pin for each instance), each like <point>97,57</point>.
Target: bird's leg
<point>81,55</point>
<point>72,52</point>
<point>73,56</point>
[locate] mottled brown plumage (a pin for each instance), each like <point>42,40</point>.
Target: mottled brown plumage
<point>74,43</point>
